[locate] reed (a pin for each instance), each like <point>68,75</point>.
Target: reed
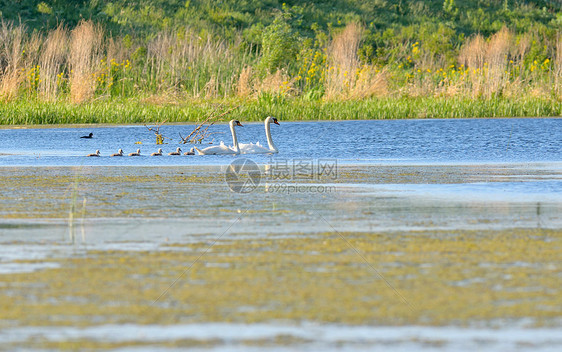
<point>345,77</point>
<point>557,69</point>
<point>52,63</point>
<point>277,83</point>
<point>369,82</point>
<point>184,62</point>
<point>84,58</point>
<point>11,51</point>
<point>244,85</point>
<point>497,53</point>
<point>486,63</point>
<point>343,62</point>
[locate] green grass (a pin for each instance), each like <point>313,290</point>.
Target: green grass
<point>133,111</point>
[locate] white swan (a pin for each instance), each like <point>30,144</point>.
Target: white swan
<point>137,153</point>
<point>222,148</point>
<point>250,148</point>
<point>97,153</point>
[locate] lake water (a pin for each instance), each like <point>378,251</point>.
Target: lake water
<point>351,142</point>
<point>412,165</point>
<point>378,194</point>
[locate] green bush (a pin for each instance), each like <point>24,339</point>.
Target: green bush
<point>279,46</point>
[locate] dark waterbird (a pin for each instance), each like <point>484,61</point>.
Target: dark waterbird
<point>88,136</point>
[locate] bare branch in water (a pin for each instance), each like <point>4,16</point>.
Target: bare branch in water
<point>156,130</point>
<point>200,133</point>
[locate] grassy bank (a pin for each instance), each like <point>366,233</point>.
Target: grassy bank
<point>129,111</point>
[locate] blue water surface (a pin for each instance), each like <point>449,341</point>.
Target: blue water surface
<point>451,141</point>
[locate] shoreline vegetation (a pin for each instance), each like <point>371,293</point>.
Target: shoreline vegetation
<point>436,60</point>
<point>137,112</point>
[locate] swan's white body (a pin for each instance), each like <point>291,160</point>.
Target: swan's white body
<point>177,152</point>
<point>257,148</point>
<point>218,149</point>
<point>158,153</point>
<point>119,153</point>
<point>222,148</point>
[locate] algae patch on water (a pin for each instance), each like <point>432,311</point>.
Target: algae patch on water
<point>272,262</point>
<point>420,278</point>
<point>129,192</point>
<point>48,193</point>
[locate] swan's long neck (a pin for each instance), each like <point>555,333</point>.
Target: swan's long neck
<point>272,146</point>
<point>234,138</point>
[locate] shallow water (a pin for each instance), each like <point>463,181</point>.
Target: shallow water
<point>421,181</point>
<point>231,337</point>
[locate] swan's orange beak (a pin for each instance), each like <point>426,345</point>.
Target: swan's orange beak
<point>239,124</point>
<point>275,122</point>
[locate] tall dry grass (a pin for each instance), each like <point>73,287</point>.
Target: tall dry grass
<point>274,83</point>
<point>52,63</point>
<point>184,61</point>
<point>163,59</point>
<point>84,59</point>
<point>79,64</point>
<point>342,61</point>
<point>473,53</point>
<point>244,84</point>
<point>33,48</point>
<point>11,57</point>
<point>497,56</point>
<point>557,70</point>
<point>346,77</point>
<point>369,82</point>
<point>487,62</point>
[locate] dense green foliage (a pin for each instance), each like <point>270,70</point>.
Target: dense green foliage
<point>227,17</point>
